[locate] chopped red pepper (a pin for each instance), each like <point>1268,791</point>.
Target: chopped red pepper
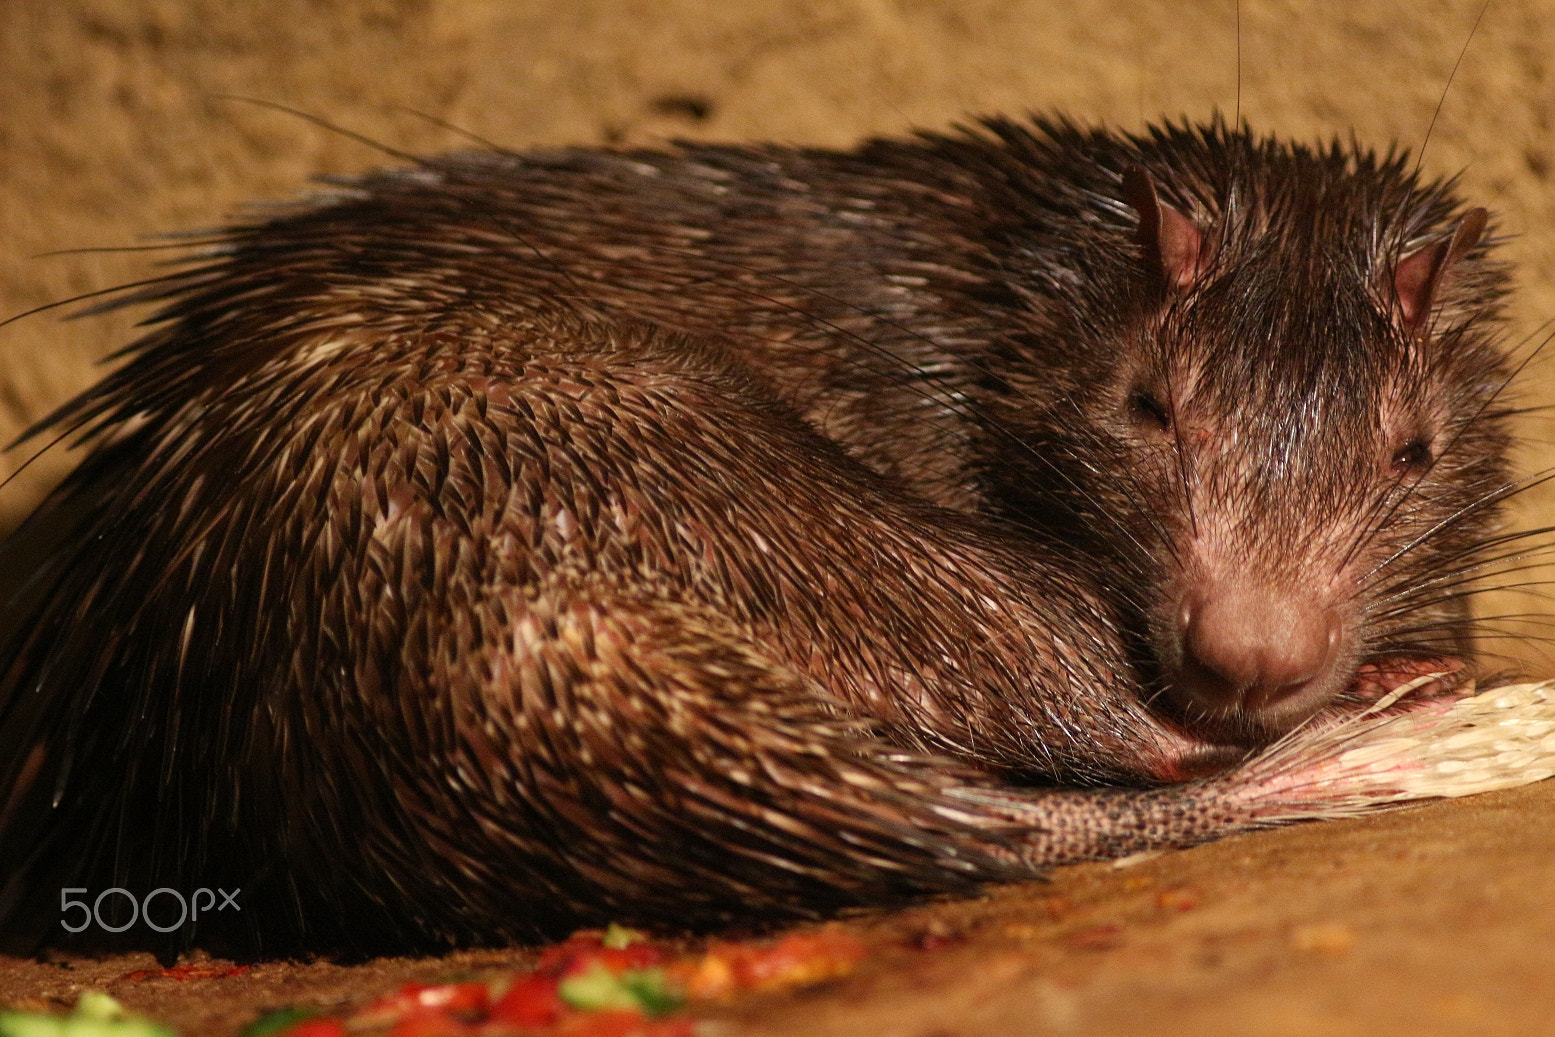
<point>616,984</point>
<point>621,1024</point>
<point>431,1022</point>
<point>453,999</point>
<point>530,1001</point>
<point>188,972</point>
<point>315,1028</point>
<point>580,951</point>
<point>796,959</point>
<point>617,960</point>
<point>557,958</point>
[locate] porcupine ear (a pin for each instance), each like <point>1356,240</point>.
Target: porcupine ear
<point>1174,247</point>
<point>1419,275</point>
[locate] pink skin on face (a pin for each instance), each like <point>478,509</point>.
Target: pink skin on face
<point>1181,756</point>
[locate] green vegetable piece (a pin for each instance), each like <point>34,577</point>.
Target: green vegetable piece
<point>98,1015</point>
<point>95,1015</point>
<point>94,1004</point>
<point>596,990</point>
<point>648,991</point>
<point>30,1024</point>
<point>619,936</point>
<point>277,1021</point>
<point>656,994</point>
<point>36,1024</point>
<point>128,1027</point>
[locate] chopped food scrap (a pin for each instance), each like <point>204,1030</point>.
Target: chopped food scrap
<point>597,983</point>
<point>95,1015</point>
<point>530,1002</point>
<point>289,1021</point>
<point>461,1000</point>
<point>1095,938</point>
<point>598,988</point>
<point>315,1028</point>
<point>611,983</point>
<point>618,936</point>
<point>797,959</point>
<point>622,1024</point>
<point>188,972</point>
<point>935,936</point>
<point>1178,898</point>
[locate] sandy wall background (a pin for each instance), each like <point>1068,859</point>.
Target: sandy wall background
<point>117,123</point>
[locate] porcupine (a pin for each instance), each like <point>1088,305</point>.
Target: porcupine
<point>521,541</point>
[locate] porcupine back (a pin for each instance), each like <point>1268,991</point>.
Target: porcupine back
<point>522,541</point>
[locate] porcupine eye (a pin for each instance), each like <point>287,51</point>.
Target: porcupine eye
<point>1147,410</point>
<point>1411,458</point>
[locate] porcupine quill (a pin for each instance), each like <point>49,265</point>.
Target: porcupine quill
<point>515,542</point>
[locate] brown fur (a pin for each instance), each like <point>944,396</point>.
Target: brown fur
<point>520,541</point>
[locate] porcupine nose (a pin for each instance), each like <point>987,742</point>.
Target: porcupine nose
<point>1255,653</point>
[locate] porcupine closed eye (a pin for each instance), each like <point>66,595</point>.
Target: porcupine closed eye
<point>521,541</point>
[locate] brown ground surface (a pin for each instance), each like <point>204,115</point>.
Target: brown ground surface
<point>115,125</point>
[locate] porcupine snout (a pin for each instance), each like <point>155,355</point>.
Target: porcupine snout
<point>1259,652</point>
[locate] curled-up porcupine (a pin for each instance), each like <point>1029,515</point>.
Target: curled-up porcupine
<point>521,541</point>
